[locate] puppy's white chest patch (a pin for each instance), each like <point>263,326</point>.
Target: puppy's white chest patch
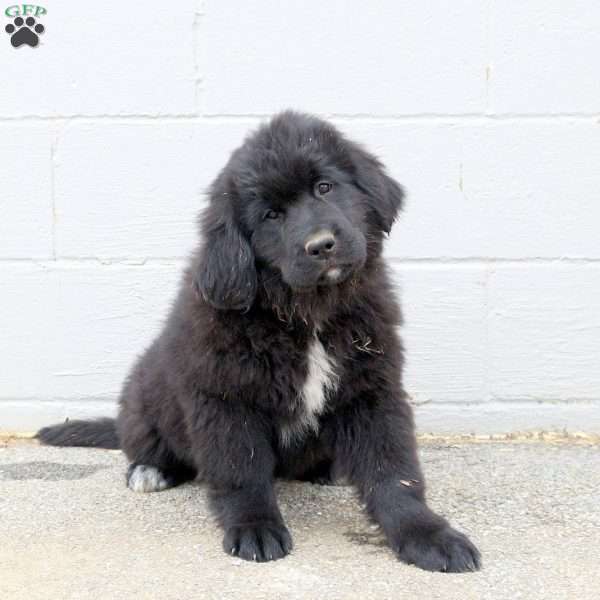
<point>321,379</point>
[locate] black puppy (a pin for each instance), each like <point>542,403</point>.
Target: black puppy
<point>280,356</point>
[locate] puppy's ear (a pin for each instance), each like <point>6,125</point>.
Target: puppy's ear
<point>385,195</point>
<point>226,273</point>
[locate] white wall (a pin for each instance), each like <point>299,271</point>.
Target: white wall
<point>487,111</point>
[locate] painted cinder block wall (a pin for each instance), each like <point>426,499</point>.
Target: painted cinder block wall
<point>488,112</point>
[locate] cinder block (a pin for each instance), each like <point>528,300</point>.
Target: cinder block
<point>439,220</point>
<point>543,57</point>
<point>344,57</point>
<point>536,183</point>
<point>73,331</point>
<point>444,332</point>
<point>134,190</point>
<point>503,418</point>
<point>494,190</point>
<point>26,195</point>
<point>545,332</point>
<point>134,57</point>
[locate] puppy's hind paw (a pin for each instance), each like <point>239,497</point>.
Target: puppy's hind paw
<point>145,478</point>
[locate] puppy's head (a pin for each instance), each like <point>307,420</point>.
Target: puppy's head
<point>297,200</point>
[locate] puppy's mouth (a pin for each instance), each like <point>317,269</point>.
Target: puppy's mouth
<point>334,274</point>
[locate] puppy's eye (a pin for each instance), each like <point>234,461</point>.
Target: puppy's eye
<point>271,214</point>
<point>323,187</point>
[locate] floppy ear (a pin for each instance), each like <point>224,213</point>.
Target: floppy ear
<point>226,273</point>
<point>385,195</point>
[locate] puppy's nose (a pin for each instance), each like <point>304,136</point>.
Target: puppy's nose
<point>320,245</point>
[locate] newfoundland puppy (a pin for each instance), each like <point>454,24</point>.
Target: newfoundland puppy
<point>280,356</point>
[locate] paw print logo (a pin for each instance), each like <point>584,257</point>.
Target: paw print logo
<point>24,32</point>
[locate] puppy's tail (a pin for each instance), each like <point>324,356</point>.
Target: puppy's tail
<point>101,433</point>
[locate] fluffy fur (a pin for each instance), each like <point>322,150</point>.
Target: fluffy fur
<point>280,356</point>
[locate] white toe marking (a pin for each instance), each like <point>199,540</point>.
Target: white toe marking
<point>144,478</point>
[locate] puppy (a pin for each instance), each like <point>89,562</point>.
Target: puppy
<point>280,356</point>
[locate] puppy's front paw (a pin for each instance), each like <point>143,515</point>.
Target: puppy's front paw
<point>259,542</point>
<point>438,549</point>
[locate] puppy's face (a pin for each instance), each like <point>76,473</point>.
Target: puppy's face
<point>312,230</point>
<point>299,200</point>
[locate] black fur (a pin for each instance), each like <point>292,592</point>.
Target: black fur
<point>285,262</point>
<point>101,433</point>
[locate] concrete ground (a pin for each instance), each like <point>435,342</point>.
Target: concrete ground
<point>69,529</point>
